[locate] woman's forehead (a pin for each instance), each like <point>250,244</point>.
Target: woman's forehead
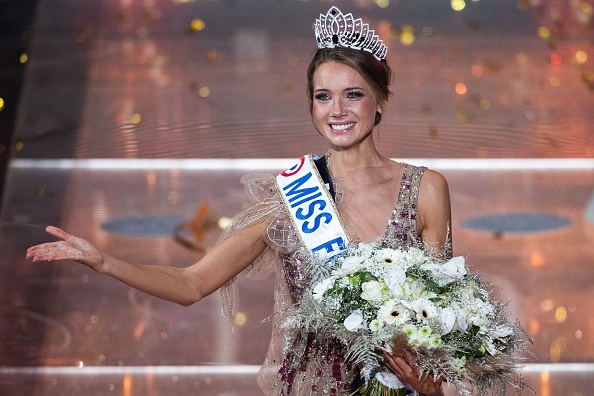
<point>337,74</point>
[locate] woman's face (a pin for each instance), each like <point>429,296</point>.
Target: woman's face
<point>344,105</point>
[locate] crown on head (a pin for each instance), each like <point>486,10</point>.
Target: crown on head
<point>336,29</point>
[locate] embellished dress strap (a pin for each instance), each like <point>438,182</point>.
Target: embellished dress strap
<point>402,228</point>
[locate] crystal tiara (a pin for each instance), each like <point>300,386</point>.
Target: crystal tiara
<point>336,29</point>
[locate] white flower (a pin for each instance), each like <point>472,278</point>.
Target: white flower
<point>413,256</point>
<point>448,272</point>
<point>491,348</point>
<point>350,265</point>
<point>424,309</point>
<point>389,257</point>
<point>461,324</point>
<point>447,320</point>
<point>354,321</point>
<point>372,291</point>
<point>321,288</point>
<point>409,329</point>
<point>395,278</point>
<point>459,364</point>
<point>413,288</point>
<point>393,313</point>
<point>433,341</point>
<point>502,331</point>
<point>366,249</point>
<point>375,325</point>
<point>389,379</point>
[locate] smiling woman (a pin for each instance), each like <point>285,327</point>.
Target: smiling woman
<point>353,194</point>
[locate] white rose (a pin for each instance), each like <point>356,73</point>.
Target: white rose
<point>352,264</point>
<point>354,321</point>
<point>372,291</point>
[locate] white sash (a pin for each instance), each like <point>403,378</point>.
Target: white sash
<point>312,209</point>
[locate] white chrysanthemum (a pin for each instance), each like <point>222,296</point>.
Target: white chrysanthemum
<point>409,329</point>
<point>416,339</point>
<point>459,364</point>
<point>424,308</point>
<point>425,331</point>
<point>393,313</point>
<point>433,341</point>
<point>375,325</point>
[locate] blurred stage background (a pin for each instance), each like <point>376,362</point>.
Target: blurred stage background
<point>122,119</point>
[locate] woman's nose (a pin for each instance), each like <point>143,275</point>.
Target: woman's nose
<point>338,108</point>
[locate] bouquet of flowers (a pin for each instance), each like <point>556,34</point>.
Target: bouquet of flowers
<point>377,298</point>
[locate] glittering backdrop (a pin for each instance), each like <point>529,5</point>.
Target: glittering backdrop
<point>202,79</point>
<point>226,79</point>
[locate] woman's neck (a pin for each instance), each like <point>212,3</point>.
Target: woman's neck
<point>342,162</point>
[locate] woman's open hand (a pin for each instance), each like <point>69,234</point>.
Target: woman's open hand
<point>69,248</point>
<point>408,373</point>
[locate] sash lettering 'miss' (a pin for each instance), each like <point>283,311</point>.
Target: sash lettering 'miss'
<point>305,197</point>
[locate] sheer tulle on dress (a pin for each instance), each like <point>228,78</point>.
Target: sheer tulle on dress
<point>310,364</point>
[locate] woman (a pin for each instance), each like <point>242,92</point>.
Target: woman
<point>376,200</point>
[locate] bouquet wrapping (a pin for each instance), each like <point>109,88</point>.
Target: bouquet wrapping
<point>376,299</point>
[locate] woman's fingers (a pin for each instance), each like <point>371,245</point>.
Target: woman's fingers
<point>69,248</point>
<point>57,232</point>
<point>408,372</point>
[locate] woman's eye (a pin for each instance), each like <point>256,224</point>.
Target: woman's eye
<point>355,94</point>
<point>322,96</point>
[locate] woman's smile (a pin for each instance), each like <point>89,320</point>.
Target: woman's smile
<point>341,127</point>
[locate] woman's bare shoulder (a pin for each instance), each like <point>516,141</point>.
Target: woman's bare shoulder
<point>434,181</point>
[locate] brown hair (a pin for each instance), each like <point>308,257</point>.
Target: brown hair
<point>376,73</point>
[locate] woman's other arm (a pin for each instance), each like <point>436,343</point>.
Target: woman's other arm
<point>434,212</point>
<point>184,286</point>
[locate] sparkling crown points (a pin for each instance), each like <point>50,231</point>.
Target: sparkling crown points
<point>336,29</point>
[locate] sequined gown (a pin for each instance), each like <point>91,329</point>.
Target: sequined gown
<point>312,365</point>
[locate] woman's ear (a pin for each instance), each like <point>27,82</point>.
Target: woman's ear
<point>378,113</point>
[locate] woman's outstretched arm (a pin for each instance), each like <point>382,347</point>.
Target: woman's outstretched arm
<point>184,286</point>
